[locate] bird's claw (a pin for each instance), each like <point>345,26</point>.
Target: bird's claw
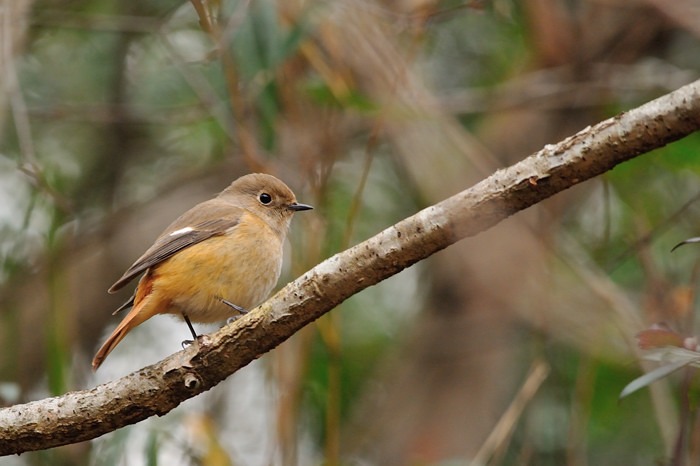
<point>234,306</point>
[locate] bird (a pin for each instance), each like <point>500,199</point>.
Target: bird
<point>214,262</point>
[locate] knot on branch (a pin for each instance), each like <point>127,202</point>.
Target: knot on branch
<point>192,381</point>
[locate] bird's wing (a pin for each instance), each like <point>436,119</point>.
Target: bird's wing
<point>182,233</point>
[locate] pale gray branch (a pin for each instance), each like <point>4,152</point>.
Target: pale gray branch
<point>157,389</point>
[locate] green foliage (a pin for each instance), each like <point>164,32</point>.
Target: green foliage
<point>260,45</point>
<point>152,447</point>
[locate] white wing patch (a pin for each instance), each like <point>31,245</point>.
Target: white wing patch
<point>181,231</point>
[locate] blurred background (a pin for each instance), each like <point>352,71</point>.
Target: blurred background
<point>510,348</point>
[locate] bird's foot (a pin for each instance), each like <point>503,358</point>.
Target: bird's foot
<point>186,343</point>
<point>238,308</point>
<point>231,320</point>
<point>234,306</point>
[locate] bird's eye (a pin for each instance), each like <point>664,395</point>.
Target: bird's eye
<point>265,198</point>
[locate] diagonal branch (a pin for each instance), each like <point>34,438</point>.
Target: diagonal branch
<point>157,389</point>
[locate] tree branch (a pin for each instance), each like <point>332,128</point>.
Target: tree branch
<point>157,389</point>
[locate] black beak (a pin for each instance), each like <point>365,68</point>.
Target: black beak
<point>296,207</point>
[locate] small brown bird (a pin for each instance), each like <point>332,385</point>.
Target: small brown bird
<point>216,260</point>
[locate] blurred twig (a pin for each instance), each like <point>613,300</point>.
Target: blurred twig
<point>237,100</point>
<point>685,13</point>
<point>55,18</point>
<point>28,163</point>
<point>658,229</point>
<point>500,434</point>
<point>551,89</point>
<point>329,325</point>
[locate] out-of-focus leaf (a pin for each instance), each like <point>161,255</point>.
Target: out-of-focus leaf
<point>659,337</point>
<point>676,358</point>
<point>207,437</point>
<point>689,240</point>
<point>152,447</point>
<point>653,376</point>
<point>322,94</point>
<point>673,354</point>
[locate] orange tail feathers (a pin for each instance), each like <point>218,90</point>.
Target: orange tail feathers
<point>136,316</point>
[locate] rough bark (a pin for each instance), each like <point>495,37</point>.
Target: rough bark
<point>157,389</point>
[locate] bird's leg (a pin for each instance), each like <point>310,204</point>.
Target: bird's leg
<point>233,306</point>
<point>194,334</point>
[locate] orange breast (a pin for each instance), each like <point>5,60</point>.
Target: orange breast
<point>241,267</point>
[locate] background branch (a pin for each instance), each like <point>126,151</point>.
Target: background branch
<point>157,389</point>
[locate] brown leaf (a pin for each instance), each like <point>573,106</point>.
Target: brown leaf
<point>659,337</point>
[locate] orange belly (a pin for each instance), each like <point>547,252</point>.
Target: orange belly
<point>196,280</point>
